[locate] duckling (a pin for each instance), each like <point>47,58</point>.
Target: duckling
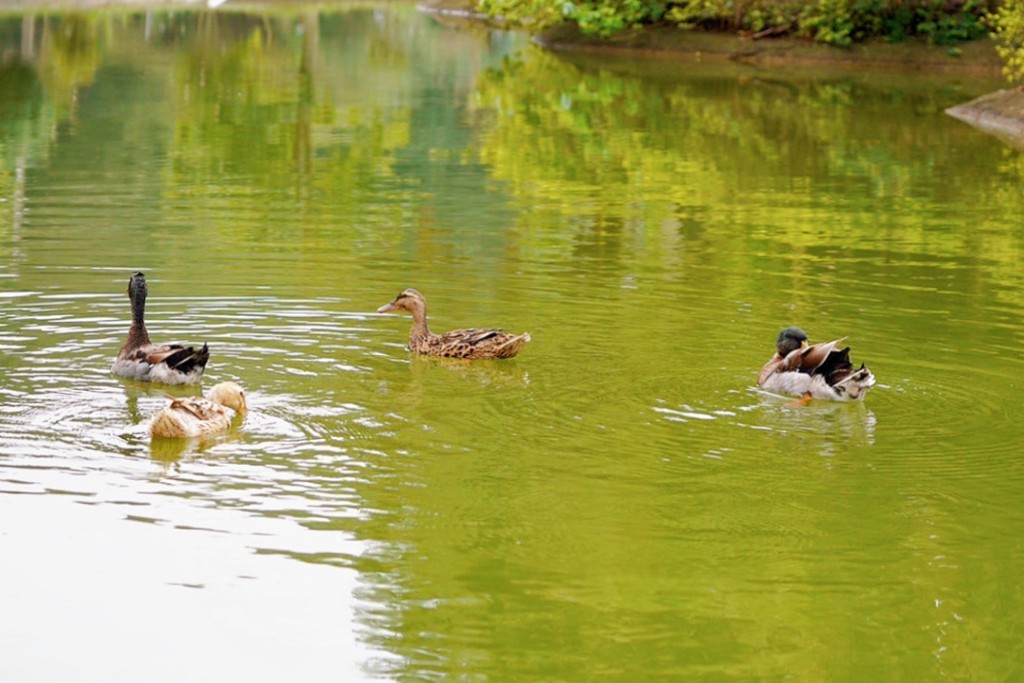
<point>142,360</point>
<point>457,343</point>
<point>818,371</point>
<point>194,416</point>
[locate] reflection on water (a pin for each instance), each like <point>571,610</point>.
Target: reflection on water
<point>616,501</point>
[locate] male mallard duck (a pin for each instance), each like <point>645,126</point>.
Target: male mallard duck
<point>143,360</point>
<point>818,371</point>
<point>194,416</point>
<point>457,343</point>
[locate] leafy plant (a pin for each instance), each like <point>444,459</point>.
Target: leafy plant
<point>536,14</point>
<point>835,22</point>
<point>1008,32</point>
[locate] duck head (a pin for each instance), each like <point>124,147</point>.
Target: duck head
<point>409,300</point>
<point>137,286</point>
<point>229,395</point>
<point>790,339</point>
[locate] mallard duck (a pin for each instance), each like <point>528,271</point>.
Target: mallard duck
<point>195,416</point>
<point>457,343</point>
<point>814,371</point>
<point>143,360</point>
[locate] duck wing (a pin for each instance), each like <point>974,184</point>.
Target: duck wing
<point>201,408</point>
<point>164,363</point>
<point>471,336</point>
<point>474,343</point>
<point>836,367</point>
<point>183,359</point>
<point>810,359</point>
<point>461,343</point>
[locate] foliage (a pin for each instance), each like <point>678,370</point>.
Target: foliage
<point>537,14</point>
<point>598,17</point>
<point>604,17</point>
<point>836,22</point>
<point>1008,32</point>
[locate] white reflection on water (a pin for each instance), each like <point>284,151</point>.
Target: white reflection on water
<point>127,597</point>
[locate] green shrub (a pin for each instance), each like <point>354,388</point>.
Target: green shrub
<point>1008,32</point>
<point>537,14</point>
<point>836,22</point>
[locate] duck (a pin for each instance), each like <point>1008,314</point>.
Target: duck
<point>471,343</point>
<point>810,371</point>
<point>141,359</point>
<point>195,416</point>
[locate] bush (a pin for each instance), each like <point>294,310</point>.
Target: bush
<point>841,22</point>
<point>837,22</point>
<point>1008,32</point>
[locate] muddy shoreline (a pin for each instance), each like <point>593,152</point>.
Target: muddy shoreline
<point>669,42</point>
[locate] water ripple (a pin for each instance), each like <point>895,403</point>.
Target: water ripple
<point>62,415</point>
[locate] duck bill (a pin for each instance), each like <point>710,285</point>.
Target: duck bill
<point>387,308</point>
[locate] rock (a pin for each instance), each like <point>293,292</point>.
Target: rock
<point>1000,113</point>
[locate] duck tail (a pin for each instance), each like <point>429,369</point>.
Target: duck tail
<point>166,424</point>
<point>857,383</point>
<point>512,346</point>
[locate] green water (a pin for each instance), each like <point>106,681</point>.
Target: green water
<point>616,503</point>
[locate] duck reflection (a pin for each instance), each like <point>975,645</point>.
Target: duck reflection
<point>833,426</point>
<point>488,374</point>
<point>482,375</point>
<point>173,452</point>
<point>826,426</point>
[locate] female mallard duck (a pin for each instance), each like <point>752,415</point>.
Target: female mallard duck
<point>195,416</point>
<point>143,360</point>
<point>818,371</point>
<point>457,343</point>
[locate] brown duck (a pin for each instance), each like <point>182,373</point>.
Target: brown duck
<point>145,361</point>
<point>457,343</point>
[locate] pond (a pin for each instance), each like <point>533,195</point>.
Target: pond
<point>618,501</point>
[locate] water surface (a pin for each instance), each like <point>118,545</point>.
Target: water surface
<point>618,501</point>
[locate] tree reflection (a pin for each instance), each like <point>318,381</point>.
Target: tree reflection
<point>745,150</point>
<point>262,114</point>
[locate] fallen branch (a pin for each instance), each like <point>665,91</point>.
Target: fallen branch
<point>773,31</point>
